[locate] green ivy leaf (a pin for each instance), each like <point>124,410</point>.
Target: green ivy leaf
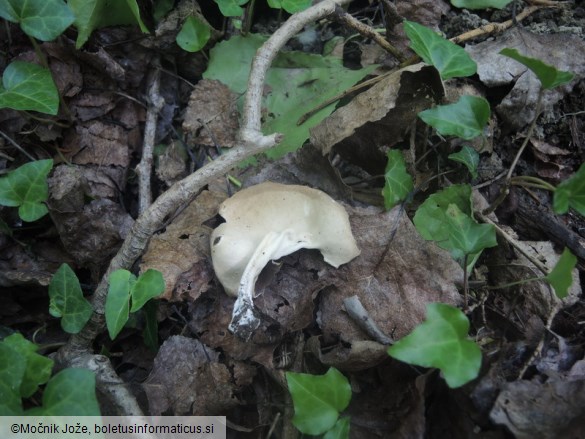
<point>340,430</point>
<point>67,301</point>
<point>290,6</point>
<point>441,342</point>
<point>194,34</point>
<point>95,14</point>
<point>431,217</point>
<point>27,86</point>
<point>548,76</point>
<point>561,276</point>
<point>38,368</point>
<point>41,19</point>
<point>398,181</point>
<point>318,399</point>
<point>480,4</point>
<point>466,118</point>
<point>231,8</point>
<point>433,222</point>
<point>466,235</point>
<point>118,301</point>
<point>27,188</point>
<point>468,157</point>
<point>571,193</point>
<point>149,284</point>
<point>70,392</point>
<point>12,370</point>
<point>297,83</point>
<point>448,58</point>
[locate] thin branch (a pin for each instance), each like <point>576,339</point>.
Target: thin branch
<point>144,168</point>
<point>344,18</point>
<point>362,318</point>
<point>16,145</point>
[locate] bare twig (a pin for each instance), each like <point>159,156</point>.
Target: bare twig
<point>16,145</point>
<point>492,28</point>
<point>362,318</point>
<point>513,243</point>
<point>184,191</point>
<point>144,168</point>
<point>344,18</point>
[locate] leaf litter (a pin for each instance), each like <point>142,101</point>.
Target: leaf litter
<point>397,274</point>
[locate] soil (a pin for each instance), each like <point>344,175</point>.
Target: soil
<point>532,378</point>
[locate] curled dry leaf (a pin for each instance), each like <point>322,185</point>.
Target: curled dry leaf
<point>379,116</point>
<point>181,252</point>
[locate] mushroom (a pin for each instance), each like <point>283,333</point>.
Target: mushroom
<point>267,222</point>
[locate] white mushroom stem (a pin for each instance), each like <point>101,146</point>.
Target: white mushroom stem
<point>274,245</point>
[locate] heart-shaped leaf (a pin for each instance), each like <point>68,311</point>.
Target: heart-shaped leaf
<point>466,235</point>
<point>318,399</point>
<point>441,341</point>
<point>468,157</point>
<point>27,187</point>
<point>194,35</point>
<point>42,19</point>
<point>340,430</point>
<point>561,276</point>
<point>448,58</point>
<point>571,193</point>
<point>71,392</point>
<point>118,301</point>
<point>548,76</point>
<point>67,301</point>
<point>95,14</point>
<point>12,370</point>
<point>466,118</point>
<point>148,285</point>
<point>27,86</point>
<point>231,8</point>
<point>398,181</point>
<point>38,368</point>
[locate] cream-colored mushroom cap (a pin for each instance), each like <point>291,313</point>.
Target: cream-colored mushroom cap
<point>270,220</point>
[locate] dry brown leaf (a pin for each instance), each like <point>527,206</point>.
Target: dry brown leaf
<point>212,116</point>
<point>533,410</point>
<point>181,252</point>
<point>188,380</point>
<point>395,277</point>
<point>98,143</point>
<point>517,108</point>
<point>376,119</point>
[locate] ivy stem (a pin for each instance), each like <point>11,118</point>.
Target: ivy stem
<point>529,181</point>
<point>465,284</point>
<point>527,138</point>
<point>506,187</point>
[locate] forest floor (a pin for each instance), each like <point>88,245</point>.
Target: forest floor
<point>532,378</point>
